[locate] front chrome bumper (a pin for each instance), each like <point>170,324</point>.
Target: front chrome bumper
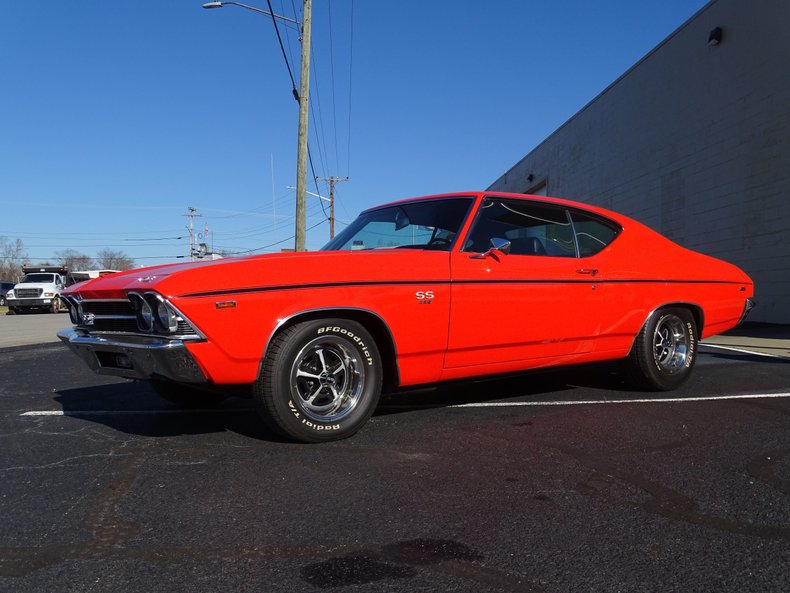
<point>137,358</point>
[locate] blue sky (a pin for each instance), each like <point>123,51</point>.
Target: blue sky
<point>115,116</point>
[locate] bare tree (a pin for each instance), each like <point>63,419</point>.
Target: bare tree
<point>107,259</point>
<point>12,256</point>
<point>74,260</point>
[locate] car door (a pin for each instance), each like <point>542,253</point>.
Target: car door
<point>535,302</point>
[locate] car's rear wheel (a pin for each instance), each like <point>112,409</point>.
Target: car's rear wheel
<point>664,352</point>
<point>320,380</point>
<point>186,396</point>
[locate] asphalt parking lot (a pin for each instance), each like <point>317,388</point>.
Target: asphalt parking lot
<point>558,481</point>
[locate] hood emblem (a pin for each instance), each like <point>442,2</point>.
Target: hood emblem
<point>147,279</point>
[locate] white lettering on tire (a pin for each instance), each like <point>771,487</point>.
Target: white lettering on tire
<point>308,423</point>
<point>355,338</point>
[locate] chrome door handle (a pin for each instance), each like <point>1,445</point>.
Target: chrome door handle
<point>590,271</point>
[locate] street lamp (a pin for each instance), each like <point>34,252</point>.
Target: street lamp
<point>303,98</point>
<point>221,4</point>
<point>331,200</point>
<point>310,193</point>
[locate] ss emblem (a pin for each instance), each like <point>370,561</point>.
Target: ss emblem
<point>424,297</point>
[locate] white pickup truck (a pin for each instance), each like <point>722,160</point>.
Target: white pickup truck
<point>39,289</point>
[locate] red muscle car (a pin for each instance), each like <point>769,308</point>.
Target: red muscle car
<point>412,292</point>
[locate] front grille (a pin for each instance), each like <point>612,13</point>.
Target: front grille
<point>27,293</point>
<point>110,316</point>
<point>120,316</point>
<point>184,329</point>
<point>114,325</point>
<point>117,308</point>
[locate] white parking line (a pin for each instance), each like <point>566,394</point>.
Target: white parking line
<point>590,402</point>
<point>742,350</point>
<point>652,400</point>
<point>130,412</point>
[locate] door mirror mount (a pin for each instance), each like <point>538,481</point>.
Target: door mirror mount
<point>497,245</point>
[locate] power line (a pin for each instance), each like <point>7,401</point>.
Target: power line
<point>318,122</point>
<point>350,78</point>
<point>276,243</point>
<point>332,69</point>
<point>282,48</point>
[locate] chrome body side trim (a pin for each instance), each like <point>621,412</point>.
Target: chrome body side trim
<point>135,357</point>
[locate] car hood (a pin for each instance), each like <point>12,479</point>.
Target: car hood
<point>272,270</point>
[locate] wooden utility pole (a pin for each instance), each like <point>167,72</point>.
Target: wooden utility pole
<point>332,181</point>
<point>301,153</point>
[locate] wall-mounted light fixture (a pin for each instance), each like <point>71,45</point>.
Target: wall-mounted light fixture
<point>530,177</point>
<point>715,37</point>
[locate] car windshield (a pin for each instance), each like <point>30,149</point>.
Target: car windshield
<point>48,278</point>
<point>429,224</point>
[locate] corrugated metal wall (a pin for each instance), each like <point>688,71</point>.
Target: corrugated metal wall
<point>694,141</point>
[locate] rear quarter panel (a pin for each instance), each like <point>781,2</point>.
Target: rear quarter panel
<point>642,271</point>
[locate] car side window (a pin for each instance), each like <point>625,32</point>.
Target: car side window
<point>531,228</point>
<point>592,234</point>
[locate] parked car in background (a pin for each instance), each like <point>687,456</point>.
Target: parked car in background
<point>412,292</point>
<point>4,288</point>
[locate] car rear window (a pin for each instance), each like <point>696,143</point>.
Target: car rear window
<point>592,233</point>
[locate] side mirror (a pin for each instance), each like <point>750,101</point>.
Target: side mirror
<point>497,244</point>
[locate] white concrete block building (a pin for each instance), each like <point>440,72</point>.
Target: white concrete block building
<point>694,141</point>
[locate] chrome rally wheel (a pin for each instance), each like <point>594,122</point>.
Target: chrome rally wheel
<point>670,344</point>
<point>319,381</point>
<point>664,352</point>
<point>327,378</point>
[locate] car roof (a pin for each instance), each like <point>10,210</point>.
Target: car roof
<point>475,194</point>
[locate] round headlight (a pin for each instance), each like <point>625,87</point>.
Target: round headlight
<point>143,313</point>
<point>145,317</point>
<point>75,314</point>
<point>168,320</point>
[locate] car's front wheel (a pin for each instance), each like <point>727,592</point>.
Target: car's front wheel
<point>320,380</point>
<point>664,352</point>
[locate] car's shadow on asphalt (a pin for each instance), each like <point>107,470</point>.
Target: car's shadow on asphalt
<point>135,408</point>
<point>555,384</point>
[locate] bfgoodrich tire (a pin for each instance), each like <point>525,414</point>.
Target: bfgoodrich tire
<point>664,352</point>
<point>320,380</point>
